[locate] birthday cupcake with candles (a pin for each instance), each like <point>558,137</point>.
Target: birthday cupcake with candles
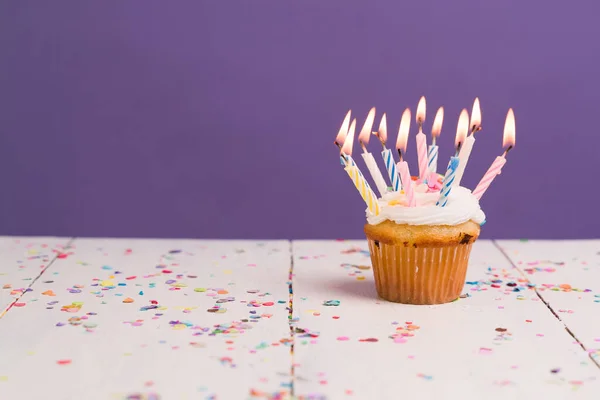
<point>421,228</point>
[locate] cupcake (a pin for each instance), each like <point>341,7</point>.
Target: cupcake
<point>420,254</point>
<point>421,231</point>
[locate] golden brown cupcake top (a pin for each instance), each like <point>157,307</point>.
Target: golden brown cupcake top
<point>389,232</point>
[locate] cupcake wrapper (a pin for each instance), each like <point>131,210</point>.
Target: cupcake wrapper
<point>422,275</point>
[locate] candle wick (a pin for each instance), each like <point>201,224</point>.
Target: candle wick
<point>458,149</point>
<point>380,139</point>
<point>338,145</point>
<point>345,158</point>
<point>475,128</point>
<point>433,140</point>
<point>363,147</point>
<point>400,154</point>
<point>506,151</point>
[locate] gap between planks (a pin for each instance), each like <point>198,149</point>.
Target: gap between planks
<point>522,273</point>
<point>291,322</point>
<point>66,246</point>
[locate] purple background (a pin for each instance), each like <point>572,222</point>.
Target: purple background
<point>216,118</point>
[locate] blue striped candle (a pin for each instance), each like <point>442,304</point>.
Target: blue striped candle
<point>390,165</point>
<point>433,158</point>
<point>448,181</point>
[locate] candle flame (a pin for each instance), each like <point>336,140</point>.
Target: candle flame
<point>462,127</point>
<point>382,131</point>
<point>509,130</point>
<point>341,136</point>
<point>421,110</point>
<point>437,122</point>
<point>403,131</point>
<point>475,116</point>
<point>365,132</point>
<point>347,147</point>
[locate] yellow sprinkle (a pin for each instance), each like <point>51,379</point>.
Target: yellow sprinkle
<point>360,278</point>
<point>393,203</point>
<point>227,272</point>
<point>107,283</point>
<point>3,378</point>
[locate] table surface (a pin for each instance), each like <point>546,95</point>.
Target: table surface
<point>207,319</point>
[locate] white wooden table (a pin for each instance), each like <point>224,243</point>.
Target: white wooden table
<point>199,319</point>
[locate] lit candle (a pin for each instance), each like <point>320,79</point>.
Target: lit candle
<point>421,140</point>
<point>342,133</point>
<point>435,133</point>
<point>461,133</point>
<point>388,157</point>
<point>467,147</point>
<point>403,165</point>
<point>346,150</point>
<point>354,173</point>
<point>508,143</point>
<point>363,138</point>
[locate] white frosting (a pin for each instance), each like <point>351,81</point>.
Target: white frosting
<point>462,206</point>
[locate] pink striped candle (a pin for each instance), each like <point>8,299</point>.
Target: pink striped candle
<point>508,142</point>
<point>407,183</point>
<point>422,154</point>
<point>422,141</point>
<point>489,176</point>
<point>403,165</point>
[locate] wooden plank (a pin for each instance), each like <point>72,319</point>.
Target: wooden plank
<point>497,343</point>
<point>566,275</point>
<point>144,328</point>
<point>23,259</point>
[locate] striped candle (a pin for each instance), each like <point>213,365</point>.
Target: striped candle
<point>346,150</point>
<point>489,176</point>
<point>421,140</point>
<point>407,184</point>
<point>390,165</point>
<point>422,155</point>
<point>363,188</point>
<point>433,158</point>
<point>436,130</point>
<point>508,142</point>
<point>448,181</point>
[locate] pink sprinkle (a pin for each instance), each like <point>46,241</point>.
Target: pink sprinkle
<point>343,338</point>
<point>485,350</point>
<point>63,362</point>
<point>539,334</point>
<point>19,304</point>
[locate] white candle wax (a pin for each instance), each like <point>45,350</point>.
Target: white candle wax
<point>375,172</point>
<point>463,156</point>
